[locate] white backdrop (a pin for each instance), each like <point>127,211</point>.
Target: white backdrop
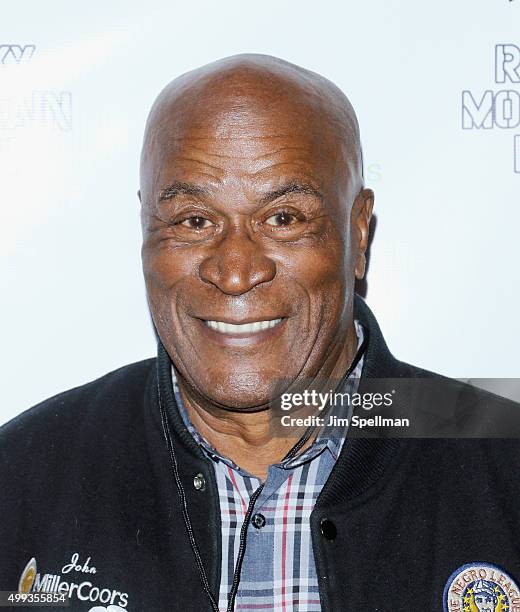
<point>76,85</point>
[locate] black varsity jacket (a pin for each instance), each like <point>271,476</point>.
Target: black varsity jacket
<point>89,508</point>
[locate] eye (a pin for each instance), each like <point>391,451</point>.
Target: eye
<point>196,222</point>
<point>281,219</point>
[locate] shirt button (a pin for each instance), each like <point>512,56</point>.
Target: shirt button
<point>199,482</point>
<point>328,529</point>
<point>258,521</point>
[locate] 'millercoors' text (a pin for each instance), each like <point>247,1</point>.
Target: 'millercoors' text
<point>84,590</point>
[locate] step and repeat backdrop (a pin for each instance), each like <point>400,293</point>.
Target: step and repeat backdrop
<point>436,87</point>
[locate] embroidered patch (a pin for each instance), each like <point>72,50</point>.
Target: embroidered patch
<point>481,587</point>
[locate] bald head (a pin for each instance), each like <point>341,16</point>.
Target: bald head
<point>240,96</point>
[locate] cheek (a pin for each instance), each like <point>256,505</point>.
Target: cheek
<point>165,272</point>
<point>325,274</point>
<point>322,270</point>
<point>164,265</point>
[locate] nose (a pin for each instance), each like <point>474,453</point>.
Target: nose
<point>237,264</point>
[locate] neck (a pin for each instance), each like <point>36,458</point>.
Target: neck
<point>247,438</point>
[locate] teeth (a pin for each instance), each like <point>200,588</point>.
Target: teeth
<point>231,328</point>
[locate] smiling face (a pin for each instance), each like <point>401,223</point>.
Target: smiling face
<point>484,602</point>
<point>251,239</point>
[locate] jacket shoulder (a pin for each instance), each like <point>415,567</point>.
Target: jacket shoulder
<point>113,392</point>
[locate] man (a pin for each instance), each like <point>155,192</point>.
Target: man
<point>161,486</point>
<point>484,596</point>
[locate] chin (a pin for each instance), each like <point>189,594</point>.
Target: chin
<point>244,391</point>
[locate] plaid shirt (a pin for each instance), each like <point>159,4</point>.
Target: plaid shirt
<point>278,570</point>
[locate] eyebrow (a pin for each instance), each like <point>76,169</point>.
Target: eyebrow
<point>178,188</point>
<point>291,187</point>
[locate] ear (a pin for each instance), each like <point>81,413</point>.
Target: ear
<point>361,215</point>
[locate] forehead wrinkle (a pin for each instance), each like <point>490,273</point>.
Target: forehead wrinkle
<point>219,138</point>
<point>200,162</point>
<point>248,156</point>
<point>281,149</point>
<point>222,153</point>
<point>302,165</point>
